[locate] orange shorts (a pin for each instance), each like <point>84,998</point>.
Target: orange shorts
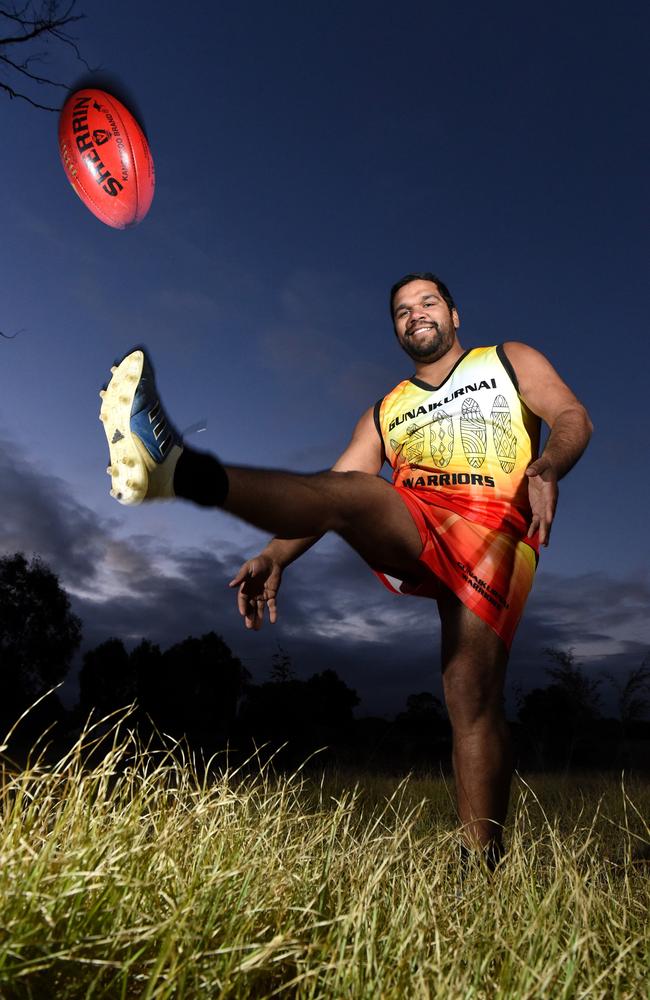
<point>489,571</point>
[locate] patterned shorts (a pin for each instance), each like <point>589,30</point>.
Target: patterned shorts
<point>489,571</point>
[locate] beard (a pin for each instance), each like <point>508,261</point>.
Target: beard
<point>431,346</point>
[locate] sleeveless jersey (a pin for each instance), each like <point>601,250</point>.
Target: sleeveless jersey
<point>464,445</point>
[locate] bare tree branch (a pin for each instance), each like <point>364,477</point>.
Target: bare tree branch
<point>23,97</point>
<point>21,68</point>
<point>48,20</point>
<point>49,23</point>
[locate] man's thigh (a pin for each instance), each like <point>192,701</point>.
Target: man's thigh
<point>474,658</point>
<point>379,526</point>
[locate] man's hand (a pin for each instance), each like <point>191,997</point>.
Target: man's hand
<point>258,581</point>
<point>542,493</point>
<point>259,578</point>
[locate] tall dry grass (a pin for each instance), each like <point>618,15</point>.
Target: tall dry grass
<point>142,875</point>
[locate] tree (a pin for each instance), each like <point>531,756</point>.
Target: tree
<point>22,30</point>
<point>547,723</point>
<point>556,719</point>
<point>331,700</point>
<point>633,694</point>
<point>633,709</point>
<point>421,733</point>
<point>304,715</point>
<point>38,632</point>
<point>199,688</point>
<point>424,706</point>
<point>106,681</point>
<point>581,691</point>
<point>281,670</point>
<point>146,662</point>
<point>191,690</point>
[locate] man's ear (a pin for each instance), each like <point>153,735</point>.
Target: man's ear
<point>455,318</point>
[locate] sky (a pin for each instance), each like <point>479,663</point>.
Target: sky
<point>306,157</point>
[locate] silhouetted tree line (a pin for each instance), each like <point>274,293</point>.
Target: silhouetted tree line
<point>562,726</point>
<point>197,690</point>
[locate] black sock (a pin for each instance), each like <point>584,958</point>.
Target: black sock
<point>200,477</point>
<point>491,855</point>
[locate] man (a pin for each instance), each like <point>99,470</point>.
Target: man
<point>469,506</point>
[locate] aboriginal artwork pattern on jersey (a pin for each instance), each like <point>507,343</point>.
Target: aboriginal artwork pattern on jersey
<point>465,444</point>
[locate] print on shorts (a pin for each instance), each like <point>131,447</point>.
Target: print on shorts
<point>505,442</point>
<point>442,439</point>
<point>473,433</point>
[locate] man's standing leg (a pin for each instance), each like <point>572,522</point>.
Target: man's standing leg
<point>474,662</point>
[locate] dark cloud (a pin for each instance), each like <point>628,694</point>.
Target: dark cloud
<point>598,601</point>
<point>40,515</point>
<point>333,611</point>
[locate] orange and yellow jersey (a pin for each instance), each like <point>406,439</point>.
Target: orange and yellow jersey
<point>465,443</point>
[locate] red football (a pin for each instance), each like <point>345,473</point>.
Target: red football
<point>106,158</point>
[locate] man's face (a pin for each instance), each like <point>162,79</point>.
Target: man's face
<point>424,326</point>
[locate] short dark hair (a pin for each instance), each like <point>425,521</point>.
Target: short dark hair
<point>422,276</point>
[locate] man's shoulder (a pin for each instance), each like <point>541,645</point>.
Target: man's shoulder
<point>404,383</point>
<point>506,345</point>
<point>517,349</point>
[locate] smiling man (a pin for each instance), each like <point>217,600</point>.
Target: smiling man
<point>461,523</point>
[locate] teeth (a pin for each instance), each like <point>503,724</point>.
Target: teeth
<point>113,369</point>
<point>102,393</point>
<point>103,417</point>
<point>109,470</point>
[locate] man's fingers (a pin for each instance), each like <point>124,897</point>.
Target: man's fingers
<point>544,532</point>
<point>249,569</point>
<point>241,576</point>
<point>258,584</point>
<point>254,613</point>
<point>542,524</point>
<point>252,608</point>
<point>242,601</point>
<point>534,526</point>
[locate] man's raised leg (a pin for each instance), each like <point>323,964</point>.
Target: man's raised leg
<point>148,461</point>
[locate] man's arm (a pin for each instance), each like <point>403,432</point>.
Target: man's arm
<point>259,578</point>
<point>544,392</point>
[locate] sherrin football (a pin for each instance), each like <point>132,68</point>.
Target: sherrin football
<point>106,158</point>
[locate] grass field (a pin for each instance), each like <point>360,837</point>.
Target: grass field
<point>137,877</point>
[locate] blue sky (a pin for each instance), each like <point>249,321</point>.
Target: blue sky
<point>306,158</point>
